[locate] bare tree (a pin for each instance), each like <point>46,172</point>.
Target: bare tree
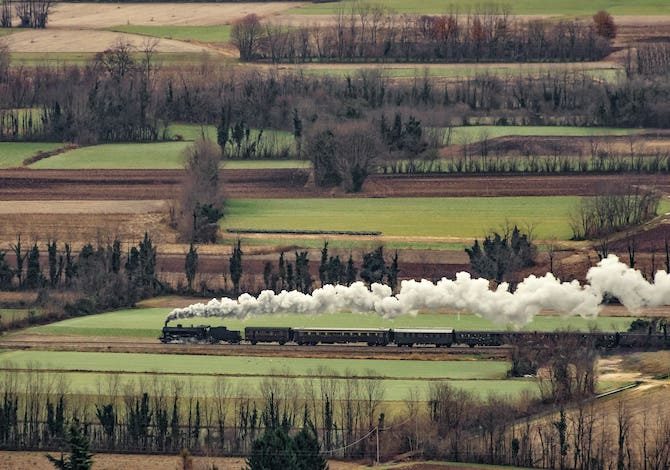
<point>6,14</point>
<point>4,61</point>
<point>200,204</point>
<point>246,36</point>
<point>33,13</point>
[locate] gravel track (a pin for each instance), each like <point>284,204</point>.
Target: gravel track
<point>124,345</point>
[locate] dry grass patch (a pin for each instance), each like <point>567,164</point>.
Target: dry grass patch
<point>105,15</point>
<point>53,40</point>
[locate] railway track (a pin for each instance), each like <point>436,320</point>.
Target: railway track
<point>322,351</point>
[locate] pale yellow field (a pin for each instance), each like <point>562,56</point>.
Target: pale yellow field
<point>52,40</point>
<point>105,15</point>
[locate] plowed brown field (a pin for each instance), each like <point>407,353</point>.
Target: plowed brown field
<point>59,185</point>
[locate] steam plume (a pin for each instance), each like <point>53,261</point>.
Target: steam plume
<point>464,293</point>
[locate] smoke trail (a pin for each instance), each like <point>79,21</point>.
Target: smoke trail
<point>464,293</point>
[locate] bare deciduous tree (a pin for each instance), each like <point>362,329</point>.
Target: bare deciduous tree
<point>200,204</point>
<point>246,36</point>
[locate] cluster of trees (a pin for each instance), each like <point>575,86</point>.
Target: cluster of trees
<point>296,275</point>
<point>650,59</point>
<point>199,205</point>
<point>500,257</point>
<point>613,210</point>
<point>124,96</point>
<point>369,32</point>
<point>160,416</point>
<point>31,13</point>
<point>106,277</point>
<point>239,142</point>
<point>344,154</point>
<point>112,99</point>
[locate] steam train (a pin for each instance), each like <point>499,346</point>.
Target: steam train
<point>437,337</point>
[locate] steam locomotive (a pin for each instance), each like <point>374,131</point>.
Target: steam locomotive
<point>437,337</point>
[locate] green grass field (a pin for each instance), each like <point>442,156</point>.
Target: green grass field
<point>160,155</point>
<point>209,34</point>
<point>518,7</point>
<point>471,134</point>
<point>87,384</point>
<point>253,366</point>
<point>122,156</point>
<point>407,217</point>
<point>84,371</point>
<point>12,154</point>
<point>147,322</point>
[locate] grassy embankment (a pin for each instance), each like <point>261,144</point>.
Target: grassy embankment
<point>12,154</point>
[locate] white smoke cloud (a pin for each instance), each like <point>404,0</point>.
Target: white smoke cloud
<point>464,293</point>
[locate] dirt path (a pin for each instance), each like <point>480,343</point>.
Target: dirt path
<point>38,461</point>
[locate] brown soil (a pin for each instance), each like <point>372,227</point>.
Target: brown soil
<point>81,207</point>
<point>37,461</point>
<point>25,184</point>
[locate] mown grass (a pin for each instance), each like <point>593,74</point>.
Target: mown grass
<point>407,217</point>
<point>162,155</point>
<point>12,154</point>
<point>471,134</point>
<point>147,322</point>
<point>254,366</point>
<point>208,34</point>
<point>518,7</point>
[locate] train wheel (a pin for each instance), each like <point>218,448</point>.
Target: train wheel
<point>282,343</point>
<point>254,343</point>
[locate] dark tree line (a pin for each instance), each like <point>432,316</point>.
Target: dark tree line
<point>104,275</point>
<point>370,33</point>
<point>614,210</point>
<point>122,98</point>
